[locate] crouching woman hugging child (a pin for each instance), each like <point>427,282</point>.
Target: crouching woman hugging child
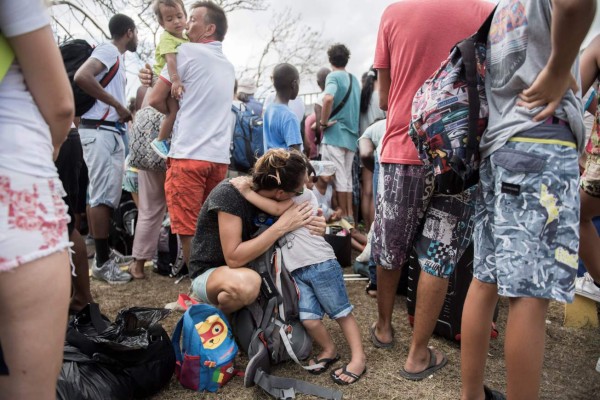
<point>312,263</point>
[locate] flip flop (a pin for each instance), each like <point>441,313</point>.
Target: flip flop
<point>429,370</point>
<point>340,381</point>
<point>491,394</point>
<point>378,343</point>
<point>371,290</point>
<point>325,364</point>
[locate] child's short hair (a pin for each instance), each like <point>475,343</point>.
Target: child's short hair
<point>168,3</point>
<point>283,76</point>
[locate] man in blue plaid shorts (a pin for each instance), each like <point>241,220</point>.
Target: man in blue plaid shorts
<point>527,213</point>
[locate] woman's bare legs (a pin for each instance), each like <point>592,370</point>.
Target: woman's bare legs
<point>34,302</point>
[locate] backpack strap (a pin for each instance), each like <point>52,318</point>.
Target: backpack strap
<point>278,264</point>
<point>484,30</point>
<point>183,300</point>
<point>106,80</point>
<point>176,340</point>
<point>110,74</point>
<point>467,49</point>
<point>82,341</point>
<point>344,100</point>
<point>99,323</point>
<point>288,347</point>
<point>286,388</point>
<point>268,312</point>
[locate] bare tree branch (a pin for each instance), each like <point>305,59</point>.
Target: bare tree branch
<point>85,13</point>
<point>289,41</point>
<point>237,5</point>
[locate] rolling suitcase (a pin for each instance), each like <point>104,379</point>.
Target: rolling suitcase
<point>449,321</point>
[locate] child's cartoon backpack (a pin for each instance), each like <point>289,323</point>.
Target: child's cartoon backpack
<point>450,113</point>
<point>205,356</point>
<point>247,144</point>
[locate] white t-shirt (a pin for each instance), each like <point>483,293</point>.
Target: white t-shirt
<point>107,54</point>
<point>319,100</point>
<point>25,136</point>
<point>300,248</point>
<point>202,128</point>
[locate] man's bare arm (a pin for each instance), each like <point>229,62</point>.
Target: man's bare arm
<point>326,110</point>
<point>85,78</point>
<point>571,20</point>
<point>385,81</point>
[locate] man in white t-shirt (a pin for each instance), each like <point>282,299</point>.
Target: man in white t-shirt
<point>101,129</point>
<point>199,154</point>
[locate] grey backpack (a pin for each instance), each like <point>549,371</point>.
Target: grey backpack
<point>270,332</point>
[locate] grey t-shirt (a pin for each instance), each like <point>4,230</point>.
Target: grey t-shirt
<point>300,248</point>
<point>206,251</point>
<point>519,46</point>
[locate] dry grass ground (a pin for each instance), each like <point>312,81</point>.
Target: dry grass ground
<point>568,371</point>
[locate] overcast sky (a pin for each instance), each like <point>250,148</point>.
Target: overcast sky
<point>352,22</point>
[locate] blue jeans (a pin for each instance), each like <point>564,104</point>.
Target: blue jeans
<point>322,290</point>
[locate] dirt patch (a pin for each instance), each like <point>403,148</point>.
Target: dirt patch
<point>568,372</point>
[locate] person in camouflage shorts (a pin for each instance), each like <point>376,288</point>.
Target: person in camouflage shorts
<point>526,231</point>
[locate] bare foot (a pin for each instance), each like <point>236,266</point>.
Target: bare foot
<point>136,269</point>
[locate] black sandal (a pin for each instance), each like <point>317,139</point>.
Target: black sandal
<point>325,363</point>
<point>355,378</point>
<point>371,290</point>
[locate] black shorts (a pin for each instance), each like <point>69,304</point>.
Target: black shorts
<point>70,166</point>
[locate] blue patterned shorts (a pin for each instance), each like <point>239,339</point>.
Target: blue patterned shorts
<point>527,219</point>
<point>411,214</point>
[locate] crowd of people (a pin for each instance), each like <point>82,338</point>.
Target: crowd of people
<point>349,158</point>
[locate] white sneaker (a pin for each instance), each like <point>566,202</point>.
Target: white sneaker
<point>120,259</point>
<point>585,286</point>
<point>365,255</point>
<point>110,272</point>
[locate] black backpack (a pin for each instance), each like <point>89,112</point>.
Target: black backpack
<point>74,53</point>
<point>169,254</point>
<point>122,226</point>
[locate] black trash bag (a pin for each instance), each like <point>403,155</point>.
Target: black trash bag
<point>130,358</point>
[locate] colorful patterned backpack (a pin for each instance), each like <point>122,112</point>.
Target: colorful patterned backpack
<point>450,113</point>
<point>205,358</point>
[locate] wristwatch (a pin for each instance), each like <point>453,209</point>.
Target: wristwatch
<point>322,125</point>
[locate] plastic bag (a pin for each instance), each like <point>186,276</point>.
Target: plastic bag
<point>130,358</point>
